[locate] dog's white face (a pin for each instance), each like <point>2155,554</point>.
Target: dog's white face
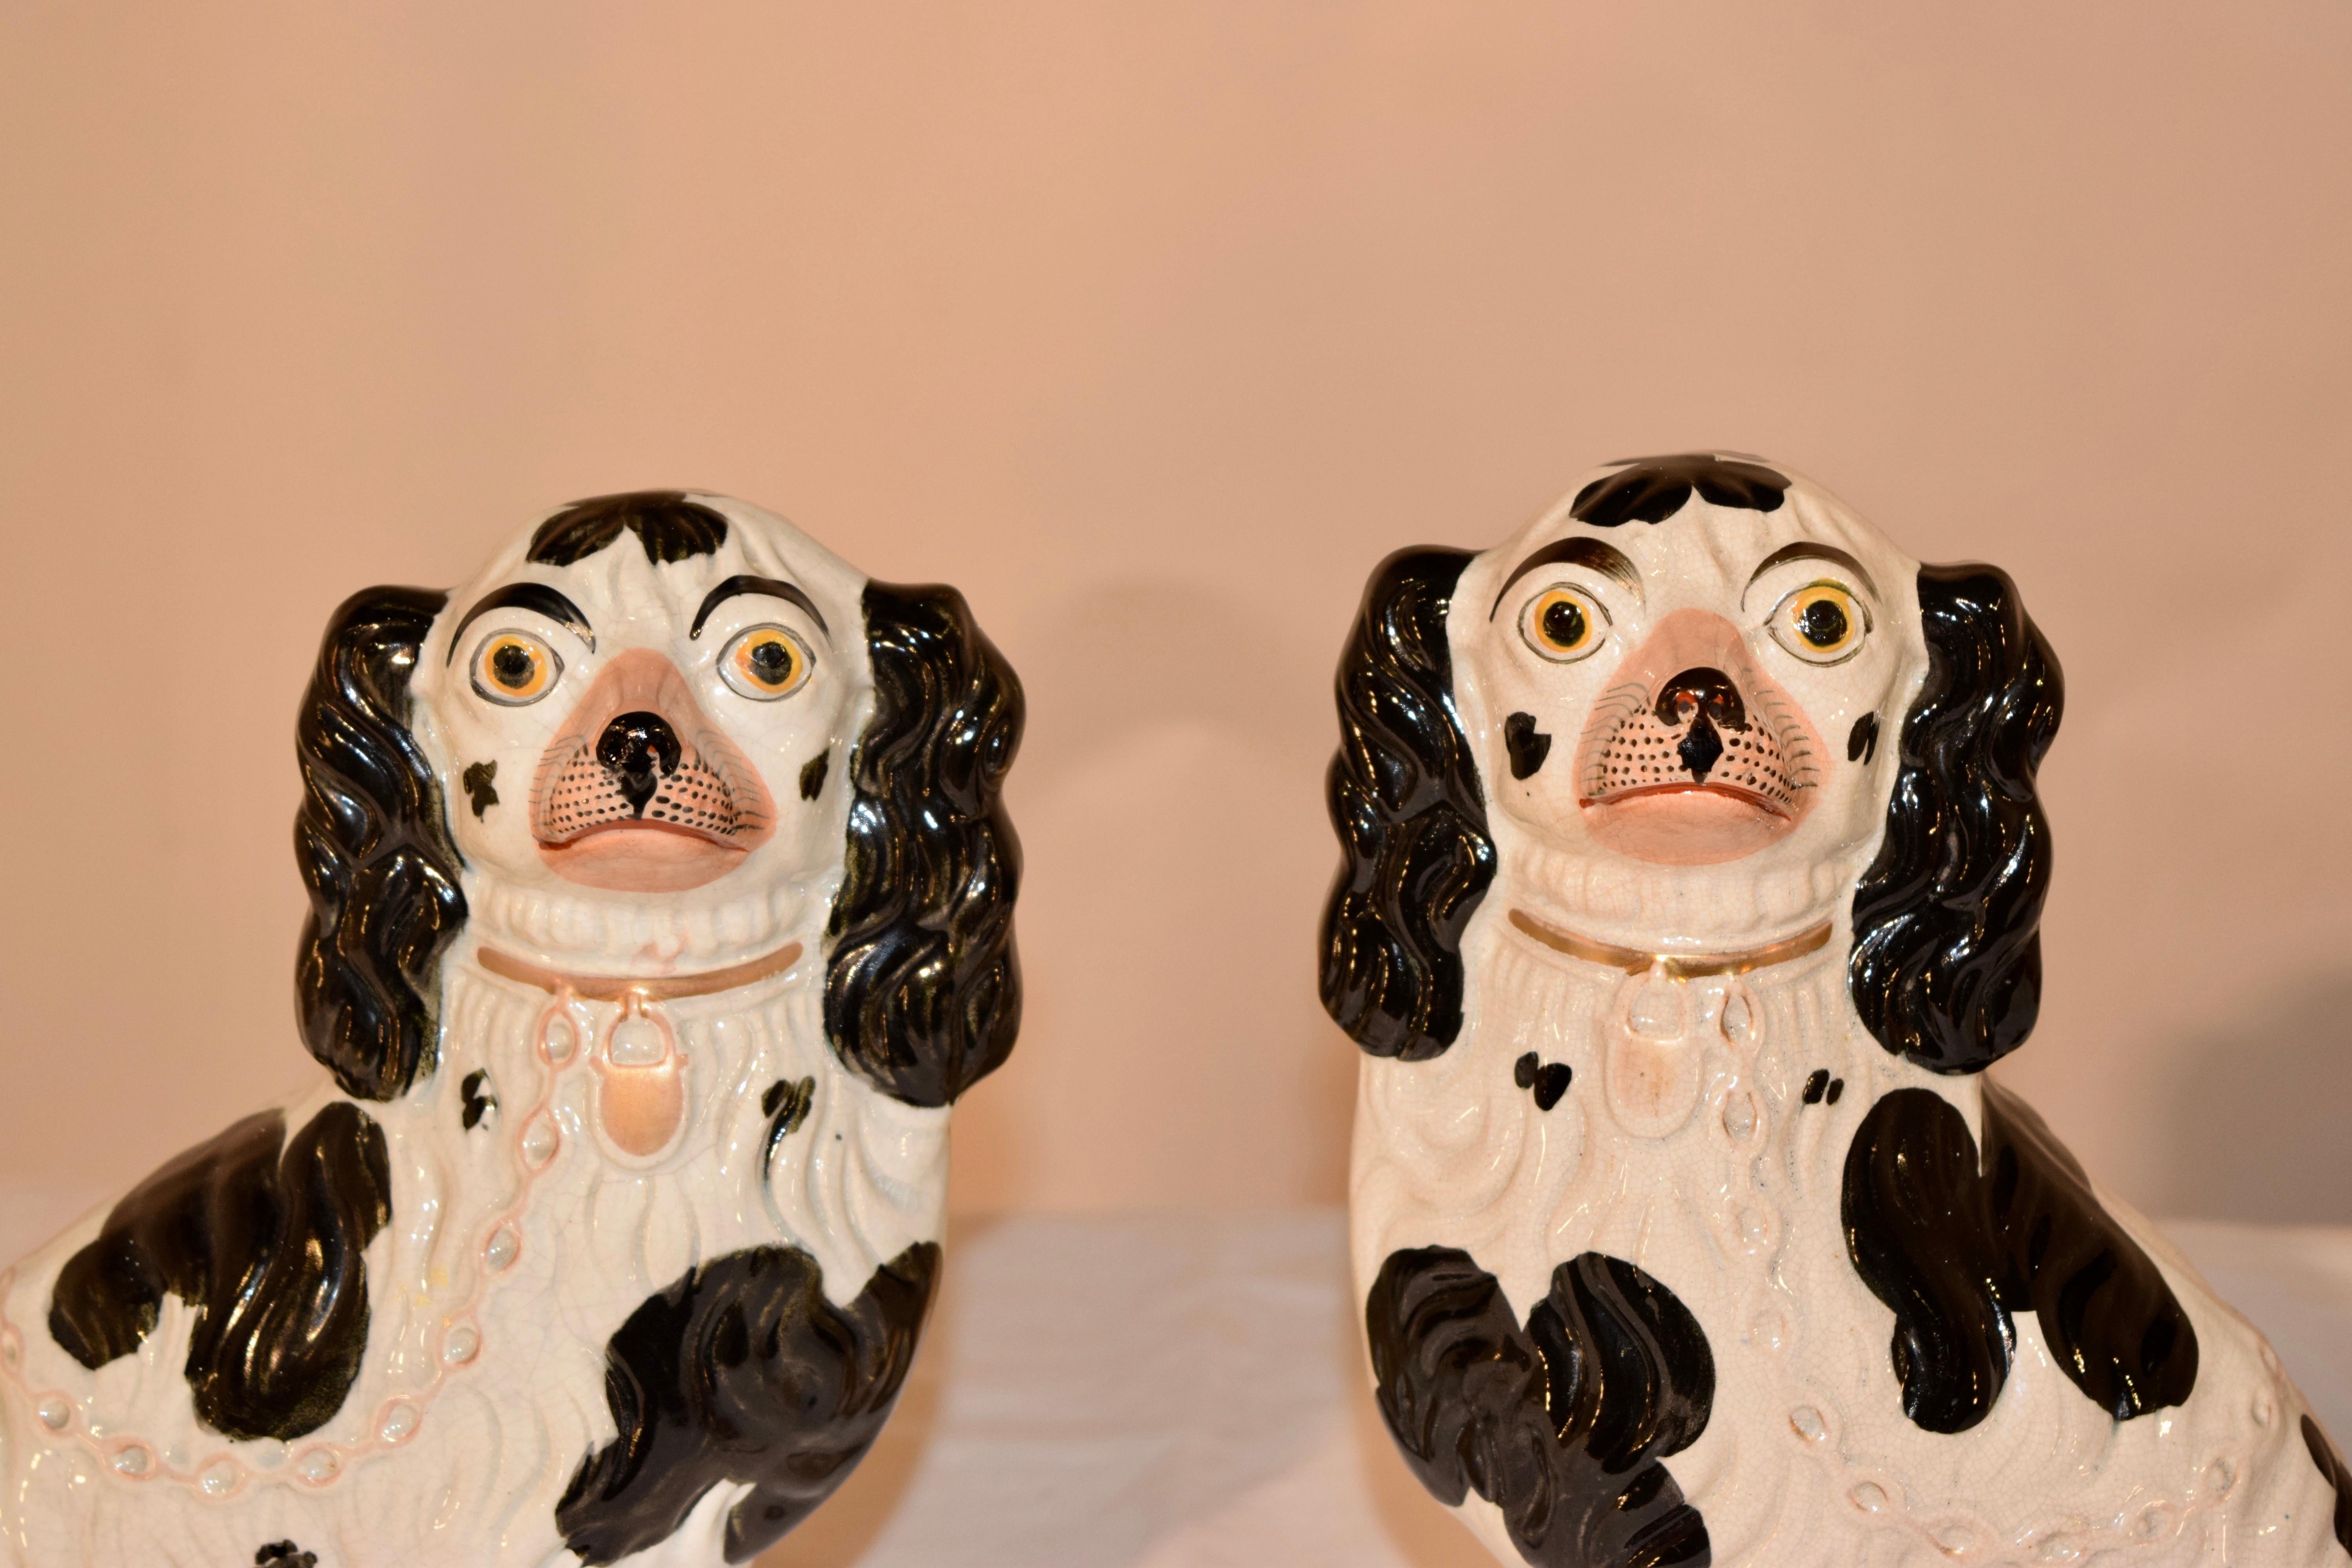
<point>619,731</point>
<point>1697,702</point>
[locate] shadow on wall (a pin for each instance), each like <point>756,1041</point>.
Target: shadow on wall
<point>2257,1127</point>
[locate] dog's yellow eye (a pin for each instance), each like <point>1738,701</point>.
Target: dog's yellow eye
<point>1564,624</point>
<point>514,667</point>
<point>1821,622</point>
<point>764,664</point>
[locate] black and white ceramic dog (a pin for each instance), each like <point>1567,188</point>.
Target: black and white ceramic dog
<point>662,905</point>
<point>1691,869</point>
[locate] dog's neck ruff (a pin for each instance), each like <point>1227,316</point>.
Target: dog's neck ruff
<point>641,1098</point>
<point>649,988</point>
<point>1672,965</point>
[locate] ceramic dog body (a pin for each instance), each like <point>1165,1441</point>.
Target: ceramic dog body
<point>1636,1184</point>
<point>630,1269</point>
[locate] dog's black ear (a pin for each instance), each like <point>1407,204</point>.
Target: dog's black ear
<point>1946,964</point>
<point>922,989</point>
<point>374,851</point>
<point>1414,857</point>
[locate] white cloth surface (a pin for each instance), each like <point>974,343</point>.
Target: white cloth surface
<point>1184,1392</point>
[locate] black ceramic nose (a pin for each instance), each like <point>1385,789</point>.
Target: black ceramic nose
<point>638,749</point>
<point>1705,699</point>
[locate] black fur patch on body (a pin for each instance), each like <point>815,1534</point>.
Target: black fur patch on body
<point>285,1555</point>
<point>742,1372</point>
<point>1652,490</point>
<point>670,526</point>
<point>1414,854</point>
<point>786,1105</point>
<point>266,1249</point>
<point>2331,1465</point>
<point>479,1097</point>
<point>1954,1244</point>
<point>1562,1425</point>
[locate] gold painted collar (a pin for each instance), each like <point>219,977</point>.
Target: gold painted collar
<point>1678,965</point>
<point>650,988</point>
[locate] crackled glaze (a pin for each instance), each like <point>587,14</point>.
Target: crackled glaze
<point>633,1036</point>
<point>1734,863</point>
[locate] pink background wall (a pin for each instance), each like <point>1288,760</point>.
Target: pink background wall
<point>1153,328</point>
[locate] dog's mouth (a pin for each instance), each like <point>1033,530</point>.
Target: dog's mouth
<point>641,791</point>
<point>1694,756</point>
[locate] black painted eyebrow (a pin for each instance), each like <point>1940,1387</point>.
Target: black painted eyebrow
<point>773,586</point>
<point>534,596</point>
<point>1605,559</point>
<point>1806,551</point>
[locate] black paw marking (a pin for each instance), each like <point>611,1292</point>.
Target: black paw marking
<point>479,1098</point>
<point>479,788</point>
<point>1821,1086</point>
<point>812,775</point>
<point>742,1372</point>
<point>1528,745</point>
<point>1547,1080</point>
<point>786,1105</point>
<point>1862,745</point>
<point>1562,1423</point>
<point>285,1555</point>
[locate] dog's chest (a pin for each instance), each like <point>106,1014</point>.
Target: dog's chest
<point>1513,1147</point>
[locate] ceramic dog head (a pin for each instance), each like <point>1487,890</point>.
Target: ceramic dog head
<point>661,906</point>
<point>1691,870</point>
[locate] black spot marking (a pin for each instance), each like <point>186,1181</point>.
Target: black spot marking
<point>1837,1087</point>
<point>479,788</point>
<point>1862,741</point>
<point>1954,1248</point>
<point>786,1105</point>
<point>285,1555</point>
<point>670,527</point>
<point>2331,1465</point>
<point>1562,1425</point>
<point>478,1099</point>
<point>742,1372</point>
<point>1526,744</point>
<point>1547,1080</point>
<point>1654,488</point>
<point>266,1249</point>
<point>812,775</point>
<point>1815,1085</point>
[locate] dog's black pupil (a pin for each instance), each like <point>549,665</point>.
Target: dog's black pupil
<point>1563,623</point>
<point>771,660</point>
<point>1821,624</point>
<point>513,666</point>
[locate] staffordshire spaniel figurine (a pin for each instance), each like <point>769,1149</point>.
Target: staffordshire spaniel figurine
<point>1691,867</point>
<point>661,908</point>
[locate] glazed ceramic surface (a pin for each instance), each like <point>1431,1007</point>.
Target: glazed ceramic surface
<point>1691,870</point>
<point>662,907</point>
